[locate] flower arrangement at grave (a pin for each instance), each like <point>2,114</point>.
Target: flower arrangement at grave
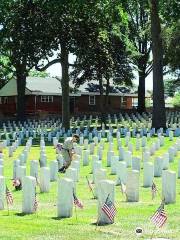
<point>17,184</point>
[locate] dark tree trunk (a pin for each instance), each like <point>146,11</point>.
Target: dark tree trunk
<point>21,86</point>
<point>141,90</point>
<point>107,95</point>
<point>159,115</point>
<point>65,87</point>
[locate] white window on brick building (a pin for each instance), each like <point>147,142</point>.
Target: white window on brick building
<point>92,100</point>
<point>46,99</point>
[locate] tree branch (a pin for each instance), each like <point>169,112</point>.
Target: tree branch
<point>48,65</point>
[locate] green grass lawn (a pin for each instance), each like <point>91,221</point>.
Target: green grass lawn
<point>45,225</point>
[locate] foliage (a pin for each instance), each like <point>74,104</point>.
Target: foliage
<point>92,87</point>
<point>106,56</point>
<point>172,86</point>
<point>35,73</point>
<point>176,100</point>
<point>20,35</point>
<point>21,40</point>
<point>6,71</point>
<point>172,48</point>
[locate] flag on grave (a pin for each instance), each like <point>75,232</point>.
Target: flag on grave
<point>9,197</point>
<point>77,202</point>
<point>35,206</point>
<point>109,209</point>
<point>159,217</point>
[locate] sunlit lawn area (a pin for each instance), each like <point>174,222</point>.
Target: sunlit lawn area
<point>45,224</point>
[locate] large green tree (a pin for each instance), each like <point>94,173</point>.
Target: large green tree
<point>76,26</point>
<point>139,26</point>
<point>106,58</point>
<point>22,22</point>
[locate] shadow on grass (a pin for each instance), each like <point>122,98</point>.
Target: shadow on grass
<point>58,218</point>
<point>100,224</point>
<point>22,214</point>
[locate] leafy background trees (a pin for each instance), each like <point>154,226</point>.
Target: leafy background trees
<point>110,40</point>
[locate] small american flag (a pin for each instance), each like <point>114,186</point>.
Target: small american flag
<point>109,209</point>
<point>159,217</point>
<point>153,190</point>
<point>89,184</point>
<point>35,206</point>
<point>9,197</point>
<point>77,202</point>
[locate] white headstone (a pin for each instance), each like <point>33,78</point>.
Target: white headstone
<point>43,160</point>
<point>44,179</point>
<point>132,186</point>
<point>34,168</point>
<point>28,194</point>
<point>53,170</point>
<point>136,163</point>
<point>171,154</point>
<point>121,172</point>
<point>100,174</point>
<point>91,148</point>
<point>148,174</point>
<point>85,157</point>
<point>105,190</point>
<point>158,166</point>
<point>21,172</point>
<point>169,186</point>
<point>96,165</point>
<point>100,152</point>
<point>165,161</point>
<point>121,153</point>
<point>128,158</point>
<point>2,192</point>
<point>110,154</point>
<point>76,165</point>
<point>1,170</point>
<point>72,173</point>
<point>60,161</point>
<point>86,141</point>
<point>65,198</point>
<point>114,161</point>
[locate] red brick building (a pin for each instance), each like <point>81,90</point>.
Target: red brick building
<point>44,95</point>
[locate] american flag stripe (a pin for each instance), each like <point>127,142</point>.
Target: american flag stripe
<point>35,206</point>
<point>159,219</point>
<point>77,202</point>
<point>109,211</point>
<point>9,197</point>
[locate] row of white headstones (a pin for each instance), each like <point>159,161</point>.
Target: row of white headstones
<point>40,127</point>
<point>124,165</point>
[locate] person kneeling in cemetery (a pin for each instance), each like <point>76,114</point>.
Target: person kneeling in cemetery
<point>67,152</point>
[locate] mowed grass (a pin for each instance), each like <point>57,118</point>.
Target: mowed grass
<point>45,225</point>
